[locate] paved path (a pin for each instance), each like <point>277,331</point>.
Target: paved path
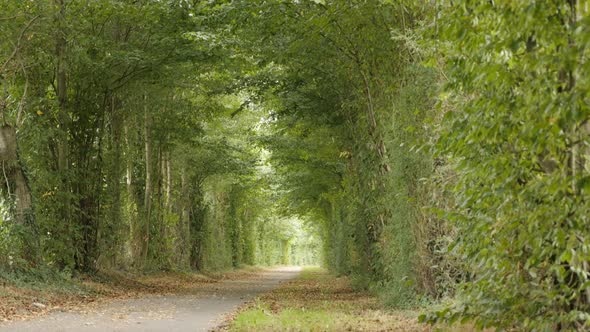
<point>196,312</point>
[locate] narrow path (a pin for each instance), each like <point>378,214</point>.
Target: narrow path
<point>199,311</point>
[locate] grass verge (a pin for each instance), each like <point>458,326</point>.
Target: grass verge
<point>318,301</point>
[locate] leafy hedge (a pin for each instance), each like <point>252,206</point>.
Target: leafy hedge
<point>518,138</point>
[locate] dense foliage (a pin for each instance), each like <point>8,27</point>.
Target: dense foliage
<point>123,140</point>
<point>436,151</point>
<point>351,110</point>
<point>518,78</point>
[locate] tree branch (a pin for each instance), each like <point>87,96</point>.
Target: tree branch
<point>18,42</point>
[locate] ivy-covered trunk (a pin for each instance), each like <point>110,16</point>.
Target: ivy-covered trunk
<point>17,195</point>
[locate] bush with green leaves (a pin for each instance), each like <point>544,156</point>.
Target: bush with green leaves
<point>518,138</point>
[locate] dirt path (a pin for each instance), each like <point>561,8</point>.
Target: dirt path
<point>200,310</point>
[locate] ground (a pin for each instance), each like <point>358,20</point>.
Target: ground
<point>178,302</point>
<point>279,299</point>
<point>318,301</point>
<point>25,297</point>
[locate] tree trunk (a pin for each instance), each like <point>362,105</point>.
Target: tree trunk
<point>18,193</point>
<point>185,201</point>
<point>61,83</point>
<point>61,139</point>
<point>148,183</point>
<point>168,182</point>
<point>115,180</point>
<point>134,202</point>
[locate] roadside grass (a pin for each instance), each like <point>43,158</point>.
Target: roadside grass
<point>318,301</point>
